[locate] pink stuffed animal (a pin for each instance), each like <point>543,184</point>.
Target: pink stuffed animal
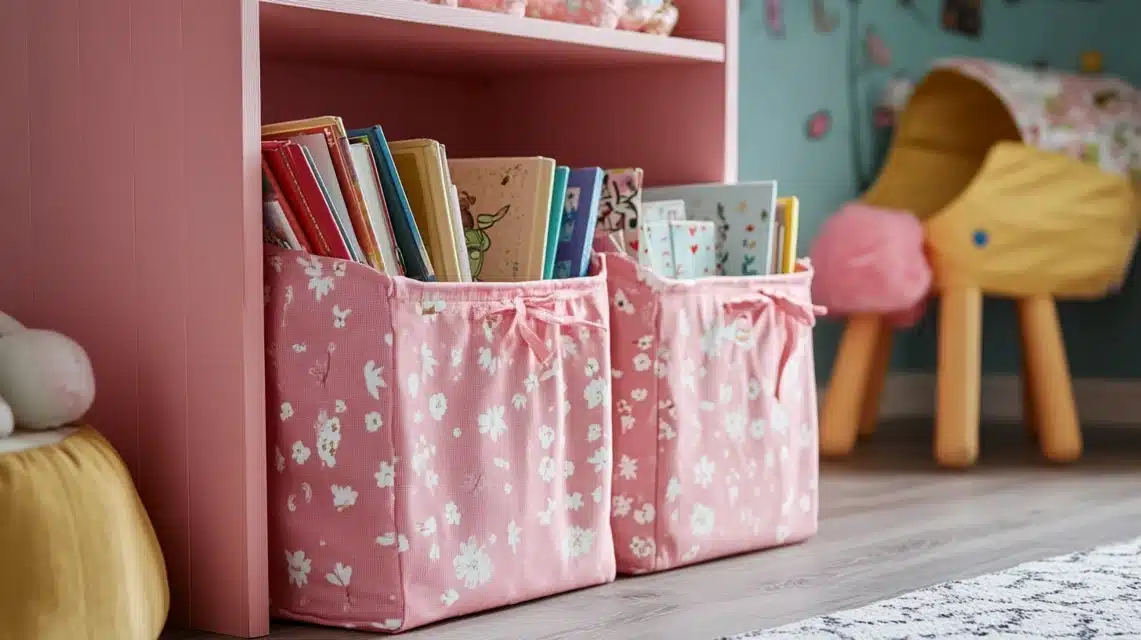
<point>46,380</point>
<point>871,260</point>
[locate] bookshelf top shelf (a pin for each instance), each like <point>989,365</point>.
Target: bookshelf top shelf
<point>417,36</point>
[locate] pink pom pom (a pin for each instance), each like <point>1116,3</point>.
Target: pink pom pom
<point>870,260</point>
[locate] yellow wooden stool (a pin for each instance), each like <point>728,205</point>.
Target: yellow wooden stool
<point>983,156</point>
<point>78,556</point>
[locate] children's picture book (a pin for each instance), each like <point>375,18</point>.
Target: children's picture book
<point>376,206</point>
<point>302,190</point>
<point>621,206</point>
<point>420,165</point>
<point>505,205</point>
<point>788,226</point>
<point>558,199</point>
<point>455,221</point>
<point>328,145</point>
<point>744,214</point>
<point>580,215</point>
<point>663,210</point>
<point>683,249</point>
<point>278,215</point>
<point>413,253</point>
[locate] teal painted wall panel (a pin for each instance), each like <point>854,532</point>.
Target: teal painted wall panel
<point>784,80</point>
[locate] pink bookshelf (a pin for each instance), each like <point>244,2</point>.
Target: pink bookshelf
<point>130,198</point>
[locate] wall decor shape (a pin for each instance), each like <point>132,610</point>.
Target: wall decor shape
<point>818,125</point>
<point>824,21</point>
<point>774,17</point>
<point>878,52</point>
<point>964,17</point>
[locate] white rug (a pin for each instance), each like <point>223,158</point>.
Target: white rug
<point>1088,595</point>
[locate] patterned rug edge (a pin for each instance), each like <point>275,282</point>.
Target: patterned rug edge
<point>1086,594</point>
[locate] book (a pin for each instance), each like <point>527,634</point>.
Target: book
<point>344,225</point>
<point>302,190</point>
<point>683,249</point>
<point>663,210</point>
<point>621,205</point>
<point>505,204</point>
<point>376,206</point>
<point>558,199</point>
<point>580,215</point>
<point>457,223</point>
<point>455,220</point>
<point>788,226</point>
<point>413,252</point>
<point>327,141</point>
<point>419,164</point>
<point>278,215</point>
<point>744,213</point>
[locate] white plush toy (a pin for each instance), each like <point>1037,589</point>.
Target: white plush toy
<point>46,380</point>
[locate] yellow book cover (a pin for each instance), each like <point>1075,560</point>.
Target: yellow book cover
<point>505,205</point>
<point>421,168</point>
<point>348,199</point>
<point>788,215</point>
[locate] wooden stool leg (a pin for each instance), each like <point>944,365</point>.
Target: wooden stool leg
<point>959,372</point>
<point>844,402</point>
<point>877,376</point>
<point>1029,416</point>
<point>1059,431</point>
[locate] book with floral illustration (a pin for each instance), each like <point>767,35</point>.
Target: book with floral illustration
<point>620,209</point>
<point>505,204</point>
<point>744,214</point>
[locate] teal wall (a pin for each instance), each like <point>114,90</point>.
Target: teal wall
<point>783,80</point>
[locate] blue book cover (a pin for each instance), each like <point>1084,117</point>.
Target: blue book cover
<point>413,254</point>
<point>558,199</point>
<point>576,230</point>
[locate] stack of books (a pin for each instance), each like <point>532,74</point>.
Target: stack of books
<point>404,208</point>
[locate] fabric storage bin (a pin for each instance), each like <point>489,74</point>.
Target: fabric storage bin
<point>715,424</point>
<point>435,449</point>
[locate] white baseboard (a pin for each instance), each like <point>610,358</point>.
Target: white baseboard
<point>1100,400</point>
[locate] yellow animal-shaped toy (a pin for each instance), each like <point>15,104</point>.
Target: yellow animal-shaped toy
<point>1024,181</point>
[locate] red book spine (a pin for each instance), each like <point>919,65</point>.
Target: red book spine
<point>276,195</point>
<point>302,192</point>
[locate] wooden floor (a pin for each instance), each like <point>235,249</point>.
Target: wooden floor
<point>890,523</point>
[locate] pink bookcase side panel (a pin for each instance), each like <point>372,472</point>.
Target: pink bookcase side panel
<point>132,223</point>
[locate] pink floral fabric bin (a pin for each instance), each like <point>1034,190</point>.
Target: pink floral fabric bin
<point>435,449</point>
<point>715,442</point>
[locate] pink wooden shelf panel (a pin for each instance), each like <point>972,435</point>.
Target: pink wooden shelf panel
<point>417,36</point>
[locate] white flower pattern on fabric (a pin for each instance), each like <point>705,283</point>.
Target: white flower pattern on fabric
<point>491,423</point>
<point>577,542</point>
<point>343,497</point>
<point>374,379</point>
<point>473,566</point>
<point>301,452</point>
<point>373,421</point>
<point>438,406</point>
<point>299,567</point>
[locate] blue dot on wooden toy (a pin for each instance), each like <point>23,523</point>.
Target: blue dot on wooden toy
<point>980,238</point>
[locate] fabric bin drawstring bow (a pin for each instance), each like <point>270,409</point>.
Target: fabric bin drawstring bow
<point>535,309</point>
<point>752,307</point>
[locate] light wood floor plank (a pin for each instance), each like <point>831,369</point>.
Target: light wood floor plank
<point>890,523</point>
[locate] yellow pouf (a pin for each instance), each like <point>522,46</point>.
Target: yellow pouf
<point>79,559</point>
